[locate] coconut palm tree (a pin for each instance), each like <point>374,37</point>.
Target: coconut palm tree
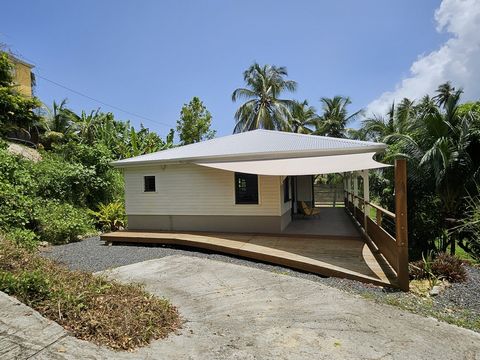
<point>59,121</point>
<point>444,92</point>
<point>334,120</point>
<point>263,109</point>
<point>303,117</point>
<point>398,120</point>
<point>442,148</point>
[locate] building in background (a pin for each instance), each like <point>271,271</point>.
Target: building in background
<point>22,75</point>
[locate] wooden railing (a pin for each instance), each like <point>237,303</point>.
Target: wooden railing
<point>387,232</point>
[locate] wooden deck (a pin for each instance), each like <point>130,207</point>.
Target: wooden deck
<point>345,257</point>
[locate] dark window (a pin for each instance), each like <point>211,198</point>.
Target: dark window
<point>149,183</point>
<point>246,188</point>
<point>286,189</point>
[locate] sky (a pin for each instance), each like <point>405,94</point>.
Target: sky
<point>148,58</point>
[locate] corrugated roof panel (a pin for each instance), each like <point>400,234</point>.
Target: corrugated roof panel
<point>257,144</point>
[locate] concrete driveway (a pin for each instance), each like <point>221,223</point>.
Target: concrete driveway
<point>237,312</point>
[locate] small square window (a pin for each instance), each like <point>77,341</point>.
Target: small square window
<point>149,183</point>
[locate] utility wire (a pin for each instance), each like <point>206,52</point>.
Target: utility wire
<point>89,97</point>
<point>103,103</point>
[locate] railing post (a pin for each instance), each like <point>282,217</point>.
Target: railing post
<point>379,217</point>
<point>355,189</point>
<point>366,198</point>
<point>401,230</point>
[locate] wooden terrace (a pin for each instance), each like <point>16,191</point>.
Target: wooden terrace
<point>329,245</point>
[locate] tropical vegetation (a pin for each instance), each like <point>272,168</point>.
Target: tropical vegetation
<point>194,123</point>
<point>73,191</point>
<point>438,134</point>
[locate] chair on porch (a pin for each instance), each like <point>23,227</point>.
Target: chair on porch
<point>307,210</point>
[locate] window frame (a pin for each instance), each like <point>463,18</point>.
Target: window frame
<point>145,191</point>
<point>238,201</point>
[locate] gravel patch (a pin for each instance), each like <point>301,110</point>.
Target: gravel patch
<point>458,304</point>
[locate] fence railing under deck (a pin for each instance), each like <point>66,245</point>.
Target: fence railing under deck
<point>387,232</point>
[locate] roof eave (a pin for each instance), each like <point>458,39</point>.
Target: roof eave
<point>380,147</point>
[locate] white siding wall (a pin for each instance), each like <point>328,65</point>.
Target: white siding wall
<point>195,190</point>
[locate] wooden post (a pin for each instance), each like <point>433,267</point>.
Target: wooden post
<point>401,222</point>
<point>355,188</point>
<point>349,186</point>
<point>366,198</point>
<point>355,193</point>
<point>379,217</point>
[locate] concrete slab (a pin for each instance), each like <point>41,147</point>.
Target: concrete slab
<point>237,312</point>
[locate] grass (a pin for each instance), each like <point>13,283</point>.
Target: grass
<point>463,255</point>
<point>92,308</point>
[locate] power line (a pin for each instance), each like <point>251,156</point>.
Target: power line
<point>103,103</point>
<point>89,97</point>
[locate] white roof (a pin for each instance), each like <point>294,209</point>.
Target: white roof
<point>256,145</point>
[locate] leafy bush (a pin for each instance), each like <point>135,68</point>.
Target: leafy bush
<point>16,191</point>
<point>449,267</point>
<point>62,223</point>
<point>60,180</point>
<point>110,217</point>
<point>24,237</point>
<point>33,285</point>
<point>102,183</point>
<point>443,266</point>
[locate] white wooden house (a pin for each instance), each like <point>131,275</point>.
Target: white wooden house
<point>248,182</point>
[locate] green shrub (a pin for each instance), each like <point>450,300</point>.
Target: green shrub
<point>62,223</point>
<point>449,267</point>
<point>443,266</point>
<point>23,237</point>
<point>110,217</point>
<point>16,191</point>
<point>30,287</point>
<point>62,181</point>
<point>102,182</point>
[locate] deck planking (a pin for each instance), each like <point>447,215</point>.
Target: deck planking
<point>347,257</point>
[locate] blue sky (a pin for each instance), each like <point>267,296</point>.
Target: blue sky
<point>151,57</point>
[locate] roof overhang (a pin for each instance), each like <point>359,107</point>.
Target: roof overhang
<point>143,160</point>
<point>301,165</point>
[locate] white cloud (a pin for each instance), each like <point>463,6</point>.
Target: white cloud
<point>457,60</point>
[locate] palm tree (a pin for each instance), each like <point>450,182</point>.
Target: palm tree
<point>303,117</point>
<point>442,149</point>
<point>59,121</point>
<point>444,92</point>
<point>398,120</point>
<point>263,109</point>
<point>335,118</point>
